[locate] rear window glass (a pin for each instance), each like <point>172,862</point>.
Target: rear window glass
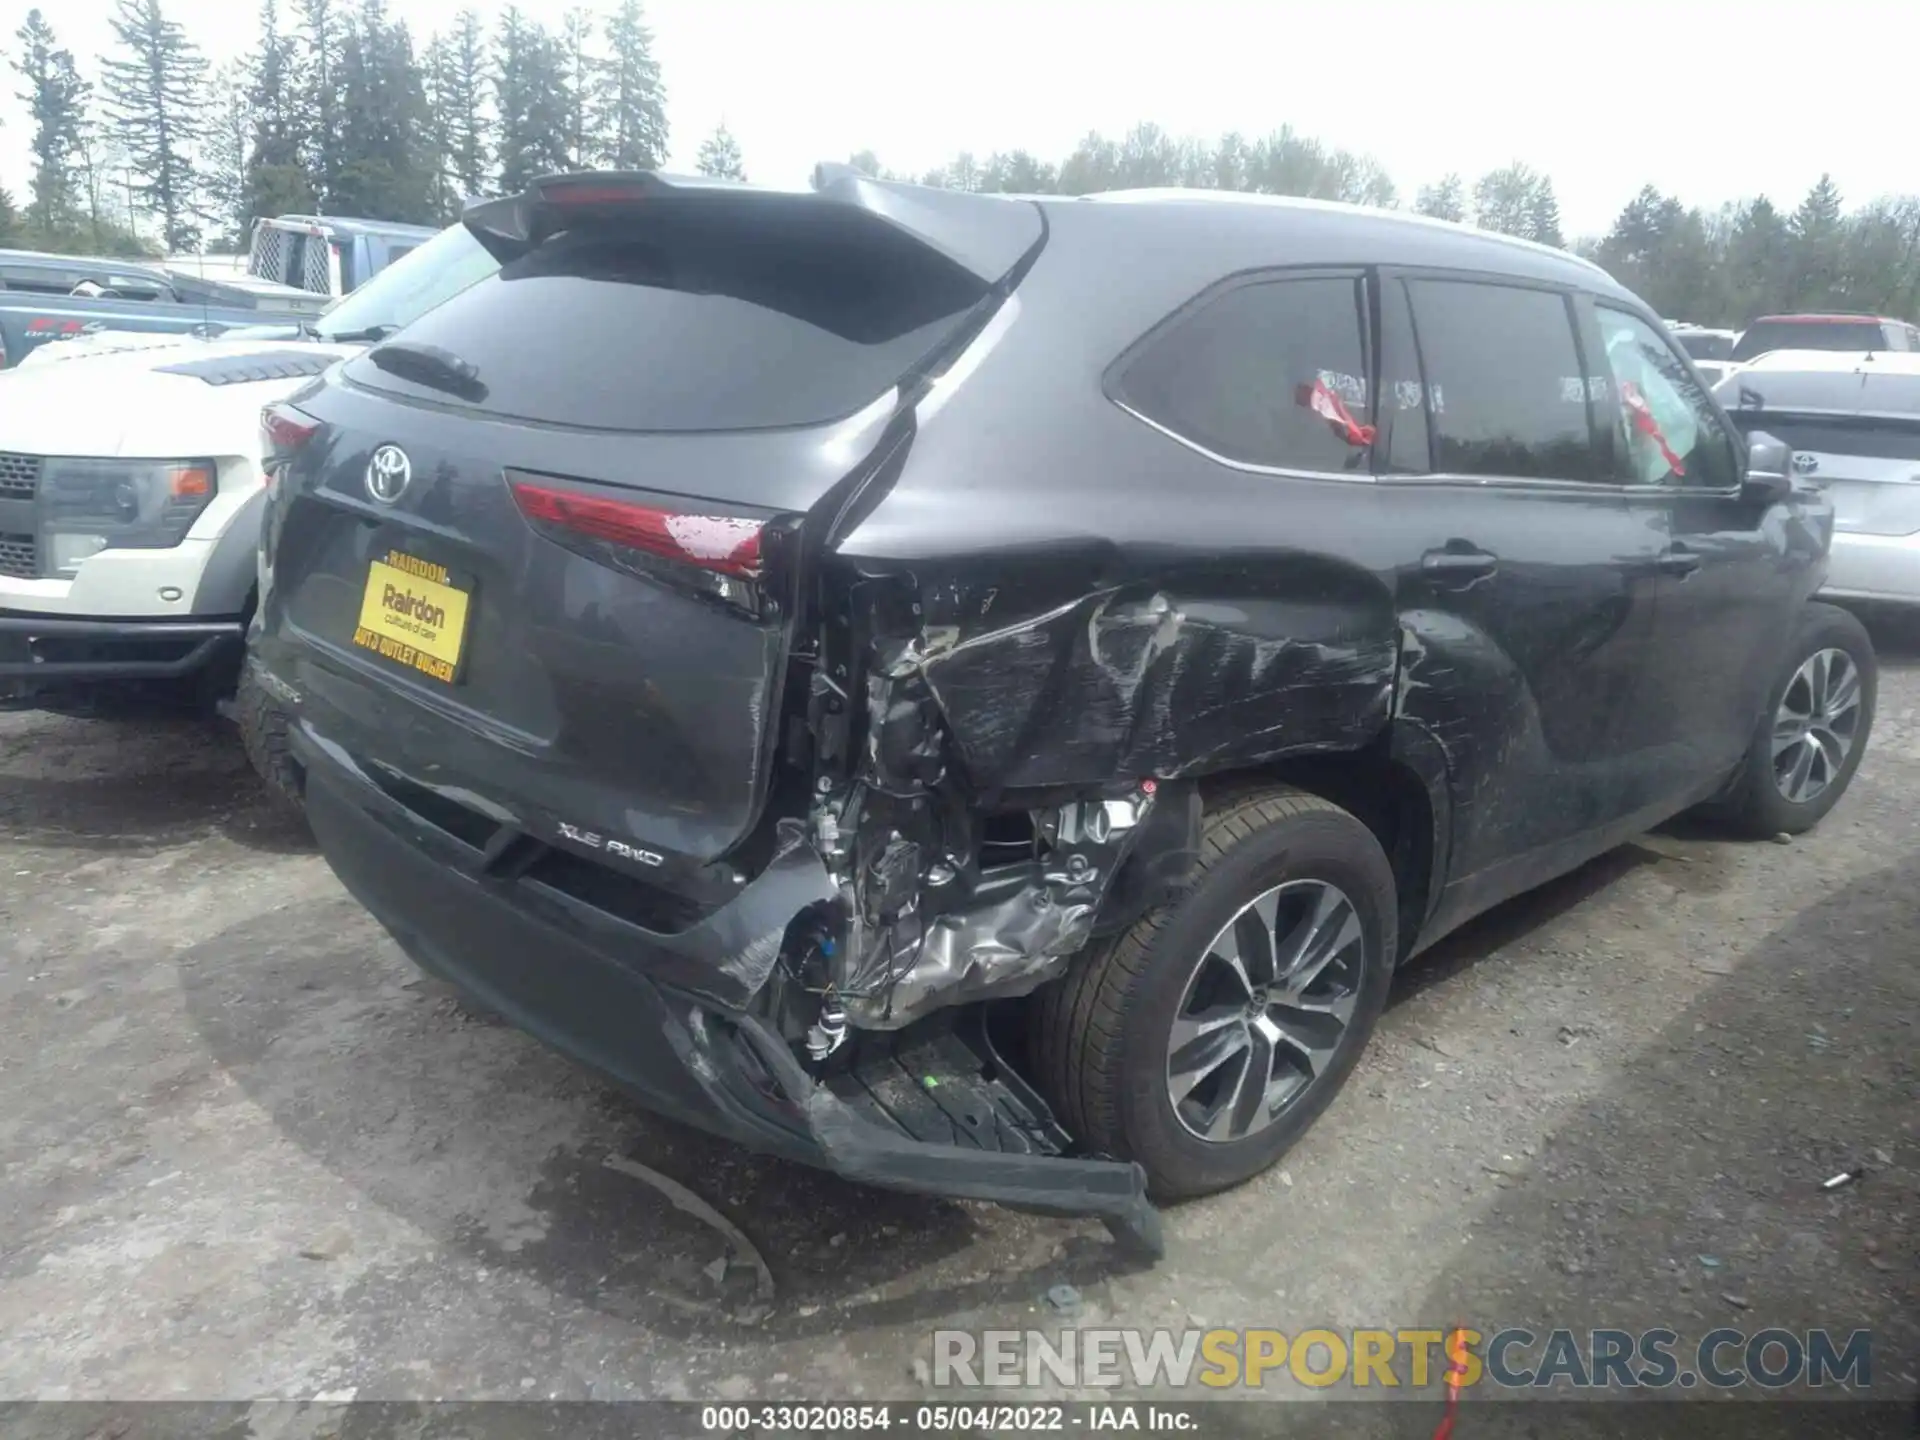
<point>1808,335</point>
<point>709,316</point>
<point>1266,374</point>
<point>1505,387</point>
<point>1878,439</point>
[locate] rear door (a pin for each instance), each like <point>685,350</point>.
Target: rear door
<point>1733,573</point>
<point>1528,601</point>
<point>546,547</point>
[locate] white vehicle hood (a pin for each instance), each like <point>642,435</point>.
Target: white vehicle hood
<point>199,398</point>
<point>119,342</point>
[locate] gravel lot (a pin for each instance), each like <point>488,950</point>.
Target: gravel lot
<point>246,1150</point>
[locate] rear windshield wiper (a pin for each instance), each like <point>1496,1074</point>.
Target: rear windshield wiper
<point>432,367</point>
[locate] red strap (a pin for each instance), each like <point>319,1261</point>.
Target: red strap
<point>1320,398</point>
<point>1644,422</point>
<point>1456,1370</point>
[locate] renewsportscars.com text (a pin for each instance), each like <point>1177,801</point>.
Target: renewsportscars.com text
<point>1377,1360</point>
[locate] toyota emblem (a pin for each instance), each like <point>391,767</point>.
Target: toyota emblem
<point>1805,464</point>
<point>388,473</point>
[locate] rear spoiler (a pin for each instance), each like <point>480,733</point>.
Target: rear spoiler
<point>986,235</point>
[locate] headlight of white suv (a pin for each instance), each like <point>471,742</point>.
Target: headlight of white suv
<point>93,505</point>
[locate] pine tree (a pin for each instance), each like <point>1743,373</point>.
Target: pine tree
<point>1288,163</point>
<point>584,72</point>
<point>1148,158</point>
<point>461,101</point>
<point>633,122</point>
<point>444,194</point>
<point>1446,199</point>
<point>382,166</point>
<point>320,36</point>
<point>1093,166</point>
<point>1017,173</point>
<point>155,94</point>
<point>1758,260</point>
<point>277,182</point>
<point>1543,216</point>
<point>1504,199</point>
<point>1362,180</point>
<point>1230,162</point>
<point>720,155</point>
<point>56,98</point>
<point>1814,282</point>
<point>224,158</point>
<point>530,95</point>
<point>9,219</point>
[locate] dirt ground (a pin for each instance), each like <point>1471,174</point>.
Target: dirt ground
<point>246,1150</point>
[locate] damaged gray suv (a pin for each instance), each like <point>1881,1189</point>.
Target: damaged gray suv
<point>980,693</point>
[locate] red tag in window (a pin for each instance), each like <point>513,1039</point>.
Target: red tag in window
<point>1642,416</point>
<point>1320,398</point>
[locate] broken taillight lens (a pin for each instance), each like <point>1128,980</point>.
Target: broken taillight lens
<point>724,544</point>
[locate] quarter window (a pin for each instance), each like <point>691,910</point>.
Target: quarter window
<point>1272,374</point>
<point>1668,434</point>
<point>1506,393</point>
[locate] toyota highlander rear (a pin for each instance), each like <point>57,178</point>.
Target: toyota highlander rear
<point>544,596</point>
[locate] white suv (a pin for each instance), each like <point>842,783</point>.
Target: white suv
<point>130,492</point>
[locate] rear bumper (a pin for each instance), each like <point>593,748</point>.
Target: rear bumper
<point>40,652</point>
<point>664,1015</point>
<point>1874,567</point>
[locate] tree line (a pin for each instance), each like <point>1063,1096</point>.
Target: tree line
<point>337,110</point>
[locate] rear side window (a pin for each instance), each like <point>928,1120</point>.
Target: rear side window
<point>707,315</point>
<point>1272,374</point>
<point>1506,394</point>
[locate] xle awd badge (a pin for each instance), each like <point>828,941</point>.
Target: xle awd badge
<point>612,847</point>
<point>388,473</point>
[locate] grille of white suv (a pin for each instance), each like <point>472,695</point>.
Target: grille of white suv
<point>19,476</point>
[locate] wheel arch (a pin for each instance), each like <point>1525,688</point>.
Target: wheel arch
<point>1396,786</point>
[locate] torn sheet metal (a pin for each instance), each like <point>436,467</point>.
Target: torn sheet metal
<point>1018,929</point>
<point>1154,683</point>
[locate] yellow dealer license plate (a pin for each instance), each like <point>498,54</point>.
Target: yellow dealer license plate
<point>413,614</point>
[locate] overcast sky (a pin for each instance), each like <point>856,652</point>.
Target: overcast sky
<point>1712,100</point>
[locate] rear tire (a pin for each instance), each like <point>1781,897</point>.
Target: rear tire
<point>1810,741</point>
<point>1117,1041</point>
<point>263,732</point>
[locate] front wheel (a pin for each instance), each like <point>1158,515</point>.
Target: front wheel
<point>1206,1039</point>
<point>1819,715</point>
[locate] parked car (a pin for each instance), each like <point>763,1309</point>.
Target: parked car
<point>979,693</point>
<point>296,266</point>
<point>130,493</point>
<point>1701,343</point>
<point>1853,422</point>
<point>46,298</point>
<point>1850,333</point>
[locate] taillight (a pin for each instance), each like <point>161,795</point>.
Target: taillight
<point>724,544</point>
<point>283,431</point>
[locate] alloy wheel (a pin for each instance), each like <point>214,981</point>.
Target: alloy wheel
<point>1816,725</point>
<point>1265,1009</point>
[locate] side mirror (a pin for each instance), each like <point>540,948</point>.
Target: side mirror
<point>1769,478</point>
